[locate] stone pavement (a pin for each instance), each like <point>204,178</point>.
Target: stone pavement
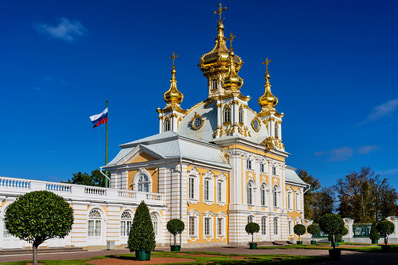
<point>348,257</point>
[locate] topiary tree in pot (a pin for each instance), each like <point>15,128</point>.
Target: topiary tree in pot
<point>385,229</point>
<point>313,229</point>
<point>332,224</point>
<point>299,230</point>
<point>142,237</point>
<point>175,227</point>
<point>252,228</point>
<point>344,232</point>
<point>374,234</point>
<point>38,216</point>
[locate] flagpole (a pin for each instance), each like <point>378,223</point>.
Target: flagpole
<point>106,149</point>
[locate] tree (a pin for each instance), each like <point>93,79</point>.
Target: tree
<point>344,232</point>
<point>309,196</point>
<point>95,179</point>
<point>323,203</point>
<point>175,227</point>
<point>385,197</point>
<point>38,216</point>
<point>332,224</point>
<point>299,230</point>
<point>313,229</point>
<point>374,234</point>
<point>252,228</point>
<point>385,228</point>
<point>142,236</point>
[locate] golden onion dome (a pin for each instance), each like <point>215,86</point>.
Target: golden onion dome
<point>267,100</point>
<point>173,96</point>
<point>232,82</point>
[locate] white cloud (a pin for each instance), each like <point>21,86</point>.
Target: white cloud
<point>340,154</point>
<point>383,110</point>
<point>366,149</point>
<point>67,30</point>
<point>393,171</point>
<point>319,153</point>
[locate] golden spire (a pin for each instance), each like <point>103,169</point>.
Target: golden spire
<point>232,81</point>
<point>173,96</point>
<point>267,100</point>
<point>219,12</point>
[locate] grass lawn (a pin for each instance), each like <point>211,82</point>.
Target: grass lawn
<point>343,246</point>
<point>216,259</point>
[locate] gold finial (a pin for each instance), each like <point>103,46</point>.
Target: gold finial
<point>173,96</point>
<point>219,12</point>
<point>266,62</point>
<point>173,57</point>
<point>232,82</point>
<point>230,39</point>
<point>267,100</point>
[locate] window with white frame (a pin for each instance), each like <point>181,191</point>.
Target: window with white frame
<point>125,223</point>
<point>240,115</point>
<point>297,201</point>
<point>220,226</point>
<point>274,170</point>
<point>250,219</point>
<point>214,84</point>
<point>207,226</point>
<point>208,187</point>
<point>191,186</point>
<point>289,200</point>
<point>290,227</point>
<point>155,223</point>
<point>275,225</point>
<point>167,125</point>
<point>276,130</point>
<point>276,195</point>
<point>249,163</point>
<point>219,191</point>
<point>262,167</point>
<point>227,114</point>
<point>264,225</point>
<point>144,183</point>
<point>263,192</point>
<point>94,223</point>
<point>192,226</point>
<point>249,193</point>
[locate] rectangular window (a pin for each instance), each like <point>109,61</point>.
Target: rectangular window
<point>155,227</point>
<point>191,226</point>
<point>214,84</point>
<point>262,168</point>
<point>123,228</point>
<point>207,226</point>
<point>274,170</point>
<point>249,164</point>
<point>97,228</point>
<point>290,227</point>
<point>262,197</point>
<point>191,188</point>
<point>220,227</point>
<point>90,227</point>
<point>206,190</point>
<point>289,201</point>
<point>263,225</point>
<point>219,191</point>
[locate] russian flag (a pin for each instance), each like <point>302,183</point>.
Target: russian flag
<point>99,119</point>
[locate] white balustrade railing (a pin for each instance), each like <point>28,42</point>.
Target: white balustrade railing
<point>14,186</point>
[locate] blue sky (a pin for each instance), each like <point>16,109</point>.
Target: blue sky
<point>334,69</point>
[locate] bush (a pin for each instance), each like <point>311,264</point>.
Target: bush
<point>385,228</point>
<point>38,216</point>
<point>344,232</point>
<point>142,236</point>
<point>313,229</point>
<point>374,234</point>
<point>175,227</point>
<point>332,224</point>
<point>252,228</point>
<point>299,230</point>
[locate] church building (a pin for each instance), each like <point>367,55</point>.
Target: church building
<point>216,166</point>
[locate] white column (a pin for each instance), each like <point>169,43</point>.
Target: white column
<point>160,124</point>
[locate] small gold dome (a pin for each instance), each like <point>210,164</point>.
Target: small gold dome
<point>173,96</point>
<point>232,82</point>
<point>267,100</point>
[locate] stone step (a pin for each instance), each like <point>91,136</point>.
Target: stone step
<point>40,250</point>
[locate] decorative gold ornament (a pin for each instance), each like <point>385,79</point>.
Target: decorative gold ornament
<point>197,121</point>
<point>173,96</point>
<point>272,143</point>
<point>267,101</point>
<point>256,124</point>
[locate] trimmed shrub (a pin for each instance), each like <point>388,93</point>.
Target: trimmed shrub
<point>385,228</point>
<point>142,236</point>
<point>299,230</point>
<point>175,227</point>
<point>252,228</point>
<point>332,224</point>
<point>374,234</point>
<point>313,229</point>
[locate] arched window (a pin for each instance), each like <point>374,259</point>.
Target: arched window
<point>193,185</point>
<point>264,225</point>
<point>94,223</point>
<point>167,125</point>
<point>240,115</point>
<point>276,130</point>
<point>263,192</point>
<point>275,225</point>
<point>155,223</point>
<point>143,183</point>
<point>275,193</point>
<point>125,223</point>
<point>250,193</point>
<point>227,114</point>
<point>250,219</point>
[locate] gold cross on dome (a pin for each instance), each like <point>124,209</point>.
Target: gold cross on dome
<point>230,39</point>
<point>219,12</point>
<point>173,57</point>
<point>266,62</point>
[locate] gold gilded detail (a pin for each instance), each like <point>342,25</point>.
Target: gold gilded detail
<point>267,101</point>
<point>173,97</point>
<point>272,143</point>
<point>197,121</point>
<point>256,124</point>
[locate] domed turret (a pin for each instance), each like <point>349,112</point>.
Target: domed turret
<point>232,82</point>
<point>267,101</point>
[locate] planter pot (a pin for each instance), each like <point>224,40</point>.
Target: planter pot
<point>375,241</point>
<point>142,255</point>
<point>342,241</point>
<point>313,242</point>
<point>336,244</point>
<point>175,248</point>
<point>334,253</point>
<point>385,248</point>
<point>299,242</point>
<point>253,245</point>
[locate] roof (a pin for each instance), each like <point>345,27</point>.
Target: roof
<point>291,176</point>
<point>169,145</point>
